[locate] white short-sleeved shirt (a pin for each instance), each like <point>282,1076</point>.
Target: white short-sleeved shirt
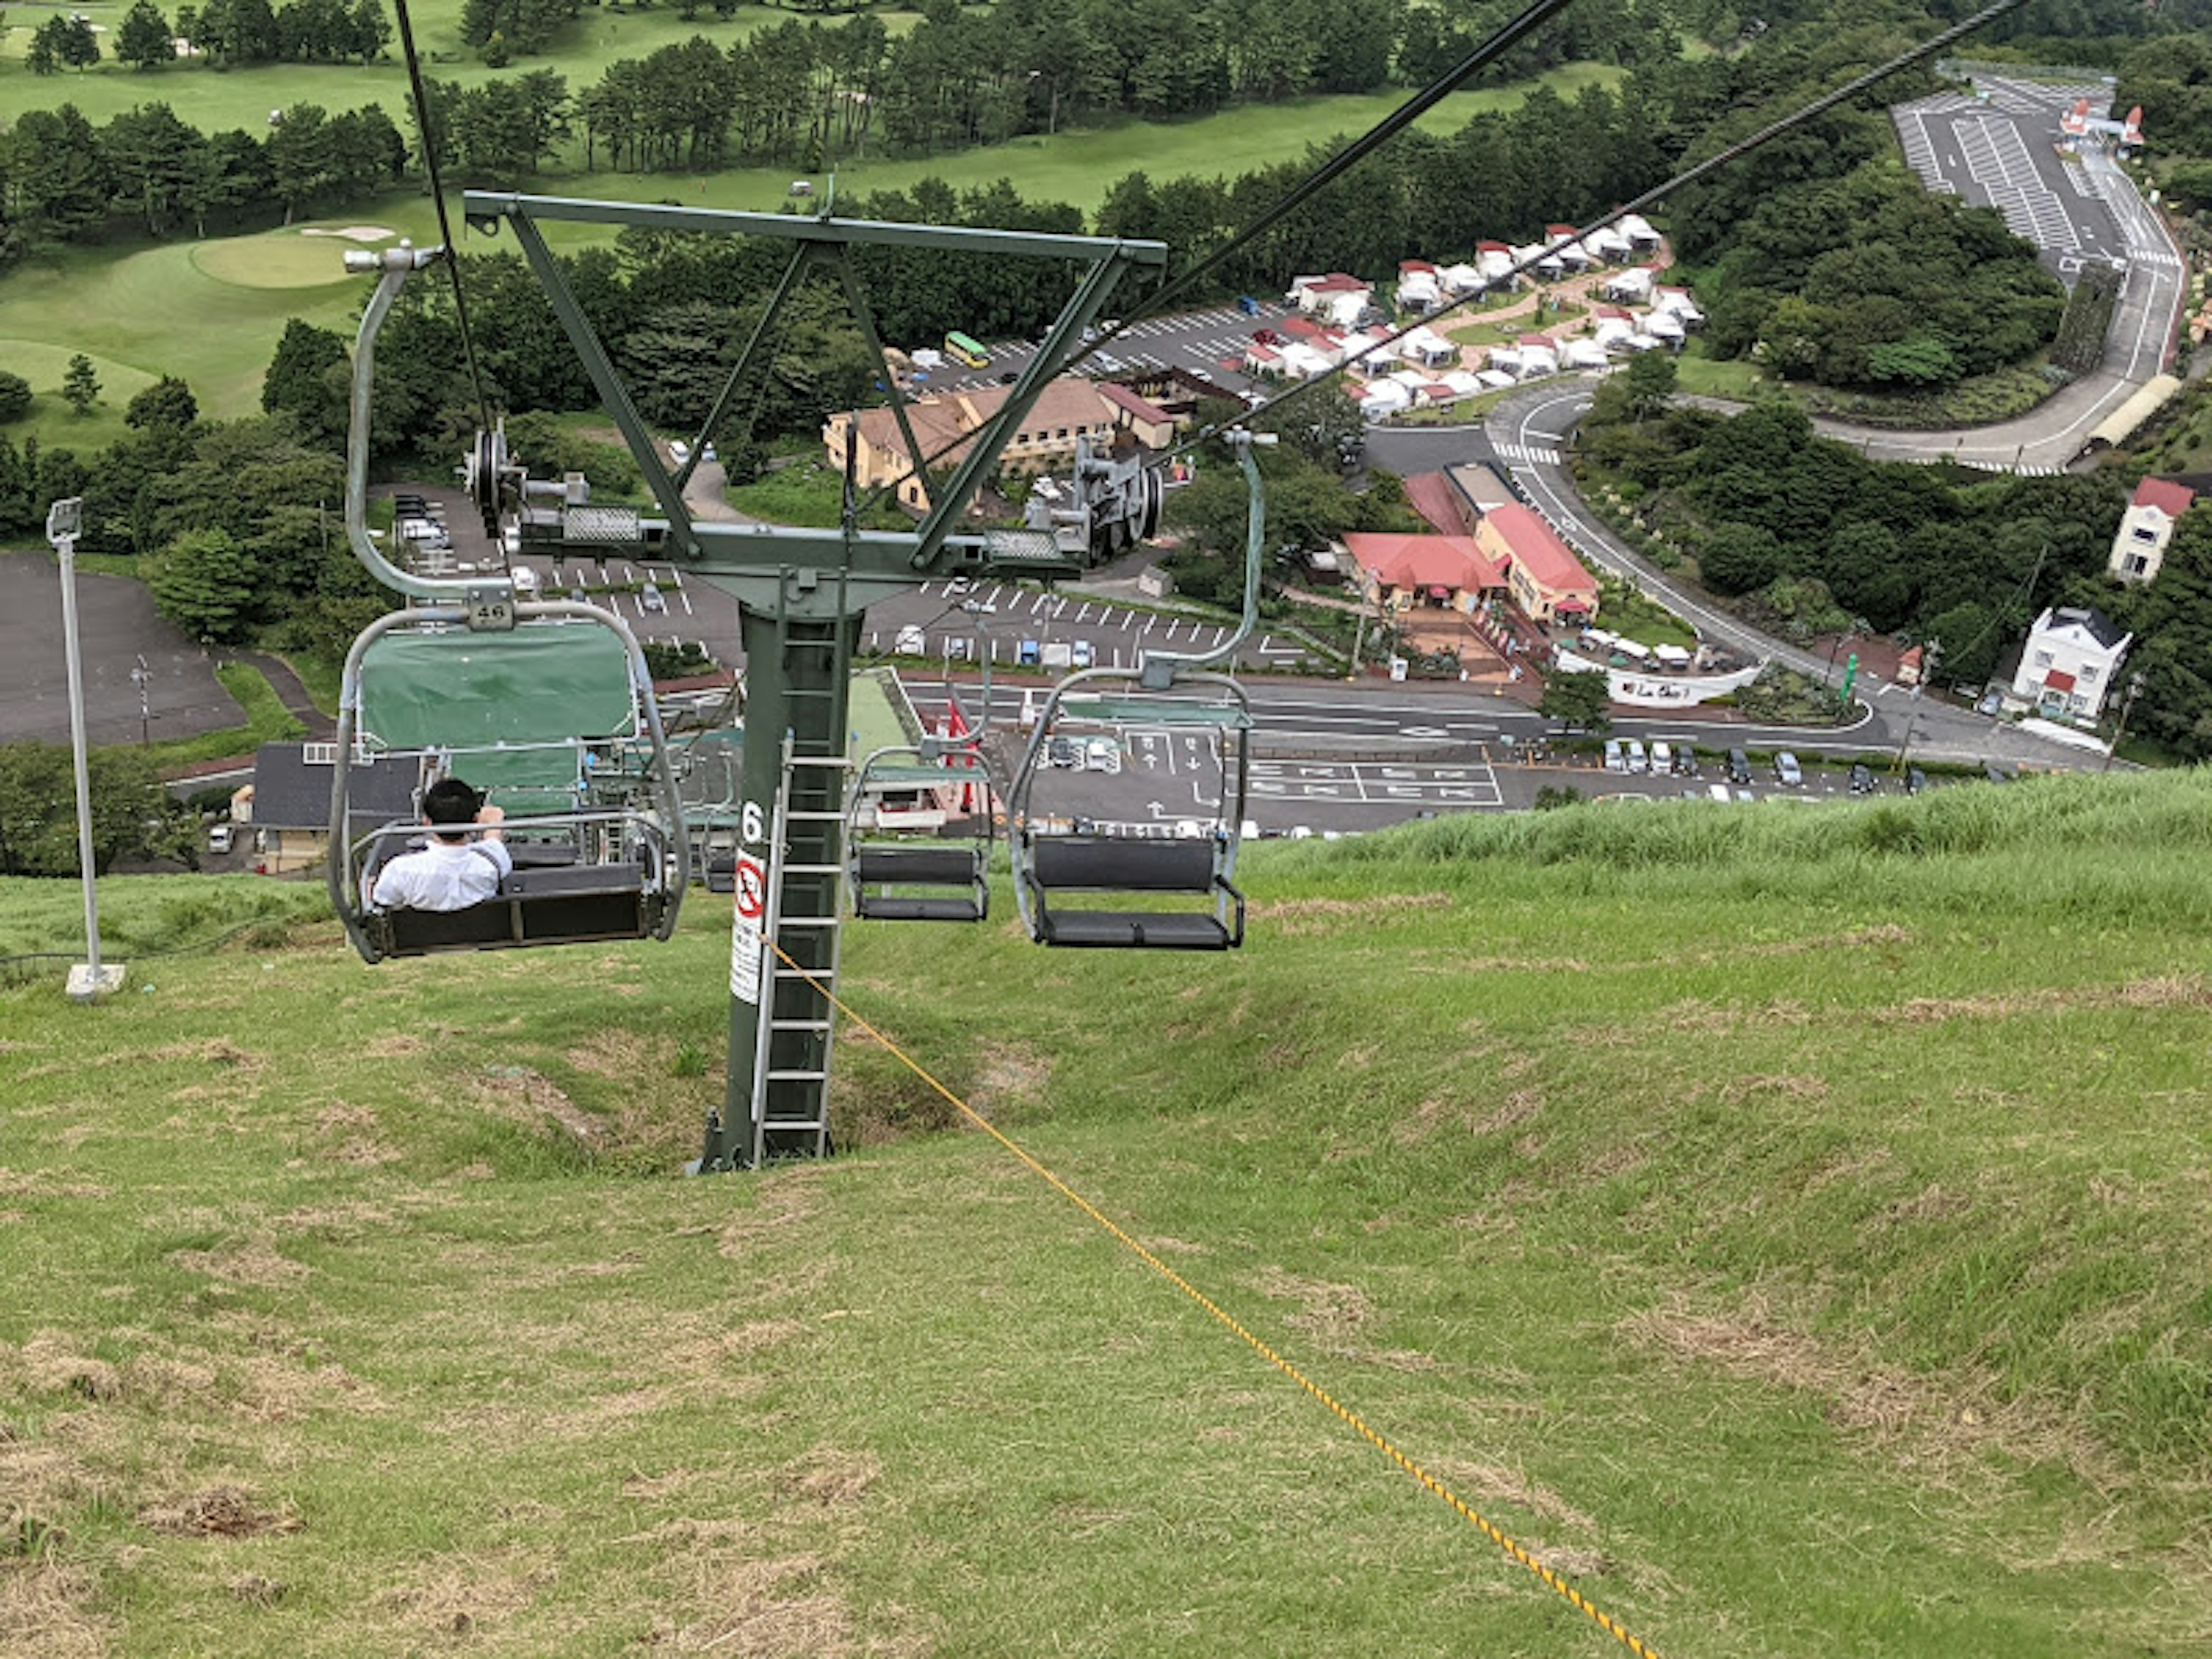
<point>442,877</point>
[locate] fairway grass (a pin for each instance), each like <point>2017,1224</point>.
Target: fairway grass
<point>212,311</point>
<point>1788,1226</point>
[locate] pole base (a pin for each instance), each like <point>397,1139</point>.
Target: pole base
<point>88,984</point>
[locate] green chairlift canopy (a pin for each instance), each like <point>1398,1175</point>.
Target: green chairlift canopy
<point>516,709</point>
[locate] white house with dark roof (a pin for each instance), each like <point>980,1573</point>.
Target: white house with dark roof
<point>2068,665</point>
<point>2139,546</point>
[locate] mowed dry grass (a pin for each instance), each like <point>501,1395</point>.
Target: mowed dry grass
<point>1799,1265</point>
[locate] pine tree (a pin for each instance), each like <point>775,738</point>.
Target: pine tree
<point>80,385</point>
<point>144,40</point>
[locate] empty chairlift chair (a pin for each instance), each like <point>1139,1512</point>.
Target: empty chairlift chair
<point>1102,890</point>
<point>944,880</point>
<point>553,722</point>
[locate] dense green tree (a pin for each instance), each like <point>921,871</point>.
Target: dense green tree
<point>167,402</point>
<point>144,40</point>
<point>153,158</point>
<point>58,181</point>
<point>1578,701</point>
<point>132,814</point>
<point>205,584</point>
<point>1737,557</point>
<point>14,397</point>
<point>303,383</point>
<point>1647,384</point>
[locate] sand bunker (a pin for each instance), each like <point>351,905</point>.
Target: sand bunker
<point>352,233</point>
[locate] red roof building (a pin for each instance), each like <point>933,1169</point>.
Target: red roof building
<point>1401,570</point>
<point>1545,578</point>
<point>2169,495</point>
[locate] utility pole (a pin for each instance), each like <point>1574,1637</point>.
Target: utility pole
<point>2127,707</point>
<point>88,980</point>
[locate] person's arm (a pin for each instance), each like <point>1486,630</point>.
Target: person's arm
<point>493,840</point>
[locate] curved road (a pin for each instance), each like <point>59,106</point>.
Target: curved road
<point>1537,423</point>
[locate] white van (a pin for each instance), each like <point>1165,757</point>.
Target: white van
<point>1637,761</point>
<point>1616,757</point>
<point>1663,758</point>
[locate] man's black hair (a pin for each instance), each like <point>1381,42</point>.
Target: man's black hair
<point>450,801</point>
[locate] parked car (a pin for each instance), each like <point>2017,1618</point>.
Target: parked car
<point>1102,754</point>
<point>1265,337</point>
<point>1738,766</point>
<point>1616,755</point>
<point>1685,760</point>
<point>1915,780</point>
<point>1863,781</point>
<point>1081,653</point>
<point>1030,653</point>
<point>1786,769</point>
<point>219,838</point>
<point>1639,762</point>
<point>1662,759</point>
<point>1990,704</point>
<point>1061,751</point>
<point>648,599</point>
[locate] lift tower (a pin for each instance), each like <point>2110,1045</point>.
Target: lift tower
<point>801,594</point>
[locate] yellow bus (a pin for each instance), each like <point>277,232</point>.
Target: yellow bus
<point>961,348</point>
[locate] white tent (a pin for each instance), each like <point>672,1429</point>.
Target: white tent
<point>1612,332</point>
<point>1673,655</point>
<point>1427,347</point>
<point>1497,265</point>
<point>1642,343</point>
<point>1633,651</point>
<point>1582,353</point>
<point>1548,264</point>
<point>1494,379</point>
<point>1462,384</point>
<point>1573,254</point>
<point>1632,285</point>
<point>1303,361</point>
<point>1609,244</point>
<point>1461,280</point>
<point>1505,359</point>
<point>1385,399</point>
<point>1664,326</point>
<point>1417,291</point>
<point>1344,309</point>
<point>1638,229</point>
<point>1535,361</point>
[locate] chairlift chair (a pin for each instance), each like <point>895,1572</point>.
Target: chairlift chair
<point>598,850</point>
<point>883,874</point>
<point>1105,890</point>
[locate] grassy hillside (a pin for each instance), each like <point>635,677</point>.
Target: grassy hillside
<point>1790,1225</point>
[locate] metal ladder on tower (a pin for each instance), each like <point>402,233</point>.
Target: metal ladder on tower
<point>804,922</point>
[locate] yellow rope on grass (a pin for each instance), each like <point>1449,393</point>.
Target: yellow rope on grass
<point>1574,1597</point>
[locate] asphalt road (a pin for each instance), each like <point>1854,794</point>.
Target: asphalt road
<point>118,627</point>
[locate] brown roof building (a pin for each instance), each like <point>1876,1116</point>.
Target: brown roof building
<point>1068,407</point>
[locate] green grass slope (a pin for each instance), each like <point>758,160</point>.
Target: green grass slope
<point>1790,1226</point>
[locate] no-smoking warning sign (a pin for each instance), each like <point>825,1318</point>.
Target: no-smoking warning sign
<point>745,918</point>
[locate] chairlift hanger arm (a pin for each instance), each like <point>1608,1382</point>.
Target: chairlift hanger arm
<point>745,558</point>
<point>483,206</point>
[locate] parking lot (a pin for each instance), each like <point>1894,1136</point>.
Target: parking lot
<point>119,630</point>
<point>2002,153</point>
<point>1213,340</point>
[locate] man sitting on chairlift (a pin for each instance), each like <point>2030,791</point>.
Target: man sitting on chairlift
<point>458,868</point>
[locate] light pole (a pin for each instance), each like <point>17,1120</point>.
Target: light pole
<point>143,677</point>
<point>2127,707</point>
<point>88,980</point>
